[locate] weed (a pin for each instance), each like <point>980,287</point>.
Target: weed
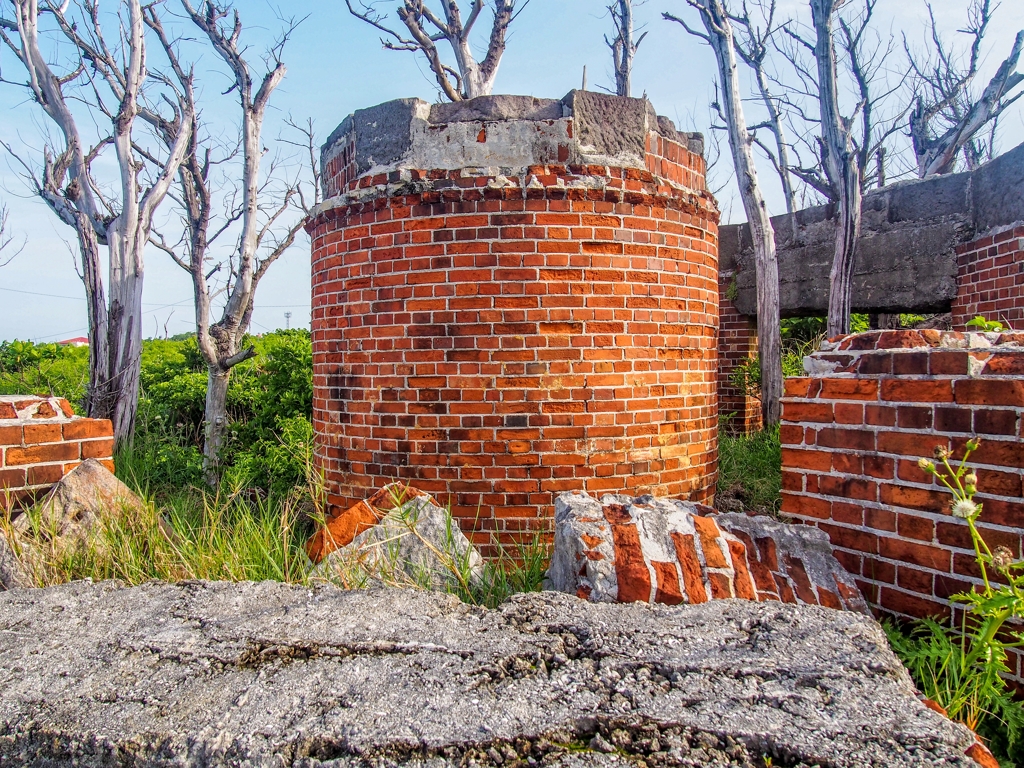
<point>750,472</point>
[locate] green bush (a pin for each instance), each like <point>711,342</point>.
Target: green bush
<point>44,369</point>
<point>270,403</point>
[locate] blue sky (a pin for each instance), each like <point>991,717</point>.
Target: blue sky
<point>335,65</point>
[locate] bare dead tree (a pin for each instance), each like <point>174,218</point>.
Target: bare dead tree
<point>264,206</point>
<point>69,186</point>
<point>841,163</point>
<point>624,45</point>
<point>719,35</point>
<point>753,48</point>
<point>947,118</point>
<point>8,250</point>
<point>843,145</point>
<point>426,27</point>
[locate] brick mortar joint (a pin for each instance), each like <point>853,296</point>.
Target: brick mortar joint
<point>659,191</point>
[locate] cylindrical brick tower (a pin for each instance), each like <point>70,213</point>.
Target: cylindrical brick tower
<point>515,297</point>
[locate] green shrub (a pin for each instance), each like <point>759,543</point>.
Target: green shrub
<point>44,369</point>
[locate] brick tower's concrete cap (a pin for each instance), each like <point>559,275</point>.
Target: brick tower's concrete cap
<point>499,132</point>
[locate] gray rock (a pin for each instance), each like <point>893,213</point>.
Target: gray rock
<point>417,544</point>
<point>72,513</point>
<point>13,574</point>
<point>200,674</point>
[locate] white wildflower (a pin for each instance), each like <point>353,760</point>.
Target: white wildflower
<point>964,508</point>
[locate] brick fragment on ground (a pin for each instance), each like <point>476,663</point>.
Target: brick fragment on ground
<point>339,530</point>
<point>403,537</point>
<point>645,549</point>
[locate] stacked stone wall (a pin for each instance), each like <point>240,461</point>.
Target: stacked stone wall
<point>852,435</point>
<point>41,440</point>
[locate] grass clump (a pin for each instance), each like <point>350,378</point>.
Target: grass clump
<point>750,472</point>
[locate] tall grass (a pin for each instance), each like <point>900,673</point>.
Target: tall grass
<point>750,470</point>
<point>241,534</point>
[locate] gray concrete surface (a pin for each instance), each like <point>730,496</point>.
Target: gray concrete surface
<point>200,674</point>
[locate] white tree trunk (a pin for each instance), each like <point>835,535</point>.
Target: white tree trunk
<point>720,36</point>
<point>842,168</point>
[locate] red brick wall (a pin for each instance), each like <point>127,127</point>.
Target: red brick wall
<point>990,279</point>
<point>495,345</point>
<point>851,441</point>
<point>41,440</point>
<point>737,342</point>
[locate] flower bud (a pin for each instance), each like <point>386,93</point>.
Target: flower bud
<point>941,452</point>
<point>1002,558</point>
<point>973,443</point>
<point>971,479</point>
<point>926,465</point>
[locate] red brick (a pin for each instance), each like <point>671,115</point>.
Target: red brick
<point>847,439</point>
<point>914,527</point>
<point>86,429</point>
<point>990,392</point>
<point>917,391</point>
<point>925,555</point>
<point>914,498</point>
<point>44,474</point>
<point>690,565</point>
<point>11,478</point>
<point>797,386</point>
<point>97,449</point>
<point>848,487</point>
<point>814,412</point>
<point>915,580</point>
<point>42,433</point>
<point>806,459</point>
<point>879,519</point>
<point>849,389</point>
<point>42,454</point>
<point>10,435</point>
<point>911,605</point>
<point>806,506</point>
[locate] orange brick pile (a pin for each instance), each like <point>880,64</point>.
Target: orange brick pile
<point>621,549</point>
<point>990,278</point>
<point>41,440</point>
<point>496,340</point>
<point>852,436</point>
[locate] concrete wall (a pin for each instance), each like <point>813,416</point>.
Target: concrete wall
<point>907,254</point>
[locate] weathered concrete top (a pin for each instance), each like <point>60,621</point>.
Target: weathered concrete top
<point>906,260</point>
<point>201,674</point>
<point>510,132</point>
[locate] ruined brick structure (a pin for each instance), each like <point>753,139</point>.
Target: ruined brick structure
<point>951,243</point>
<point>41,440</point>
<point>514,297</point>
<point>852,435</point>
<point>990,278</point>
